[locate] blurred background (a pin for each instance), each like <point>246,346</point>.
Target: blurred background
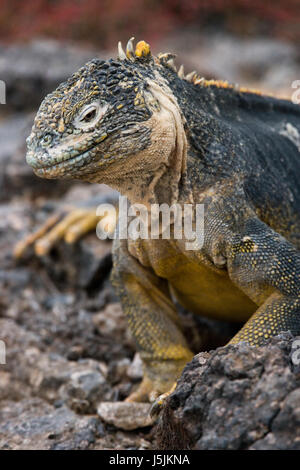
<point>249,40</point>
<point>67,343</point>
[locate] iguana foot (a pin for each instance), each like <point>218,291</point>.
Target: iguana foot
<point>149,391</point>
<point>159,381</point>
<point>159,403</point>
<point>69,228</point>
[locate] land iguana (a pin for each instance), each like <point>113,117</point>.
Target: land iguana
<point>158,136</point>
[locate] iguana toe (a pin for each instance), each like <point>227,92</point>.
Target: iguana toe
<point>153,392</point>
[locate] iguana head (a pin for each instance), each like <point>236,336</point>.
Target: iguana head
<point>112,120</point>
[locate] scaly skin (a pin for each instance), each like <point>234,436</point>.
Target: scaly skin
<point>158,137</point>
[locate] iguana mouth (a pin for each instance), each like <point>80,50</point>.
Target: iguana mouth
<point>54,164</point>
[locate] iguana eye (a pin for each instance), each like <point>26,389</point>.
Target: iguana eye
<point>90,115</point>
<point>46,140</point>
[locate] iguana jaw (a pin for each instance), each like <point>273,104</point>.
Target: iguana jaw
<point>67,157</point>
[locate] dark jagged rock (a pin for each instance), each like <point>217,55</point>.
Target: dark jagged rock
<point>237,397</point>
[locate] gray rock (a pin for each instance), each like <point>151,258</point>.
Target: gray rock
<point>111,321</point>
<point>135,369</point>
<point>85,390</point>
<point>117,371</point>
<point>80,384</point>
<point>125,415</point>
<point>237,397</point>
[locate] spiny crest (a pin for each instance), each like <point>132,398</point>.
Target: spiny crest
<point>142,52</point>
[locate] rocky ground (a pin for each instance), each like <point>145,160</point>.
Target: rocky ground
<point>69,357</point>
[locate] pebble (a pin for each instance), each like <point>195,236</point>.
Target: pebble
<point>125,415</point>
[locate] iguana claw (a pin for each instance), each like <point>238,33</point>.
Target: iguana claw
<point>160,402</point>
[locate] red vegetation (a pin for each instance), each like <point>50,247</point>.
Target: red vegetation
<point>102,22</point>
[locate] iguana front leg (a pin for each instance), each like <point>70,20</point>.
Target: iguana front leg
<point>278,313</point>
<point>154,323</point>
<point>267,268</point>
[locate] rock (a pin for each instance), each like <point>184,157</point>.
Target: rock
<point>237,397</point>
<point>285,426</point>
<point>135,369</point>
<point>118,370</point>
<point>85,390</point>
<point>111,321</point>
<point>81,385</point>
<point>125,415</point>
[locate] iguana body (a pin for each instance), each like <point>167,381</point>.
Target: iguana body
<point>156,137</point>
